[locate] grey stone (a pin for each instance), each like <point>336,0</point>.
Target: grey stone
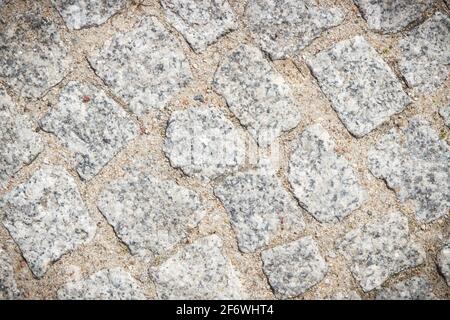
<point>201,22</point>
<point>414,163</point>
<point>380,249</point>
<point>46,217</point>
<point>445,114</point>
<point>203,143</point>
<point>79,14</point>
<point>425,54</point>
<point>106,284</point>
<point>257,94</point>
<point>150,216</point>
<point>295,267</point>
<point>359,84</point>
<point>92,125</point>
<point>444,262</point>
<point>198,271</point>
<point>146,66</point>
<point>8,286</point>
<point>389,16</point>
<point>344,295</point>
<point>323,181</point>
<point>33,58</point>
<point>284,27</point>
<point>19,144</point>
<point>258,206</point>
<point>415,288</point>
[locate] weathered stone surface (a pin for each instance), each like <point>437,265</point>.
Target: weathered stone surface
<point>380,249</point>
<point>444,261</point>
<point>146,66</point>
<point>198,271</point>
<point>19,144</point>
<point>257,94</point>
<point>415,163</point>
<point>107,284</point>
<point>415,288</point>
<point>203,143</point>
<point>46,217</point>
<point>258,207</point>
<point>323,181</point>
<point>445,114</point>
<point>79,14</point>
<point>295,267</point>
<point>150,216</point>
<point>8,286</point>
<point>425,54</point>
<point>360,85</point>
<point>32,66</point>
<point>92,125</point>
<point>284,27</point>
<point>201,22</point>
<point>392,16</point>
<point>344,295</point>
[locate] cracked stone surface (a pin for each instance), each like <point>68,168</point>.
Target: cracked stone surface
<point>91,125</point>
<point>34,66</point>
<point>415,288</point>
<point>203,143</point>
<point>294,267</point>
<point>380,249</point>
<point>425,54</point>
<point>444,262</point>
<point>392,16</point>
<point>414,163</point>
<point>47,218</point>
<point>257,94</point>
<point>361,87</point>
<point>150,216</point>
<point>8,286</point>
<point>146,66</point>
<point>445,114</point>
<point>201,22</point>
<point>198,271</point>
<point>323,181</point>
<point>108,284</point>
<point>79,14</point>
<point>19,143</point>
<point>283,28</point>
<point>258,207</point>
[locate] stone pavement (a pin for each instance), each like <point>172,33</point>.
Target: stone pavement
<point>224,149</point>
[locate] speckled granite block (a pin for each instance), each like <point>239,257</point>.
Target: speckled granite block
<point>445,114</point>
<point>8,286</point>
<point>415,288</point>
<point>444,262</point>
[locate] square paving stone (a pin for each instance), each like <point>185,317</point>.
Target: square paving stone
<point>79,14</point>
<point>259,207</point>
<point>201,22</point>
<point>323,181</point>
<point>415,288</point>
<point>32,66</point>
<point>379,249</point>
<point>389,16</point>
<point>150,216</point>
<point>91,125</point>
<point>284,27</point>
<point>414,162</point>
<point>146,66</point>
<point>19,143</point>
<point>46,217</point>
<point>107,284</point>
<point>295,267</point>
<point>257,94</point>
<point>359,84</point>
<point>425,54</point>
<point>8,286</point>
<point>444,262</point>
<point>198,271</point>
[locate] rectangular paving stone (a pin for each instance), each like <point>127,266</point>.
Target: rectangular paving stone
<point>201,22</point>
<point>257,94</point>
<point>293,268</point>
<point>380,249</point>
<point>323,181</point>
<point>91,125</point>
<point>425,54</point>
<point>46,217</point>
<point>443,261</point>
<point>8,286</point>
<point>359,84</point>
<point>414,162</point>
<point>415,288</point>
